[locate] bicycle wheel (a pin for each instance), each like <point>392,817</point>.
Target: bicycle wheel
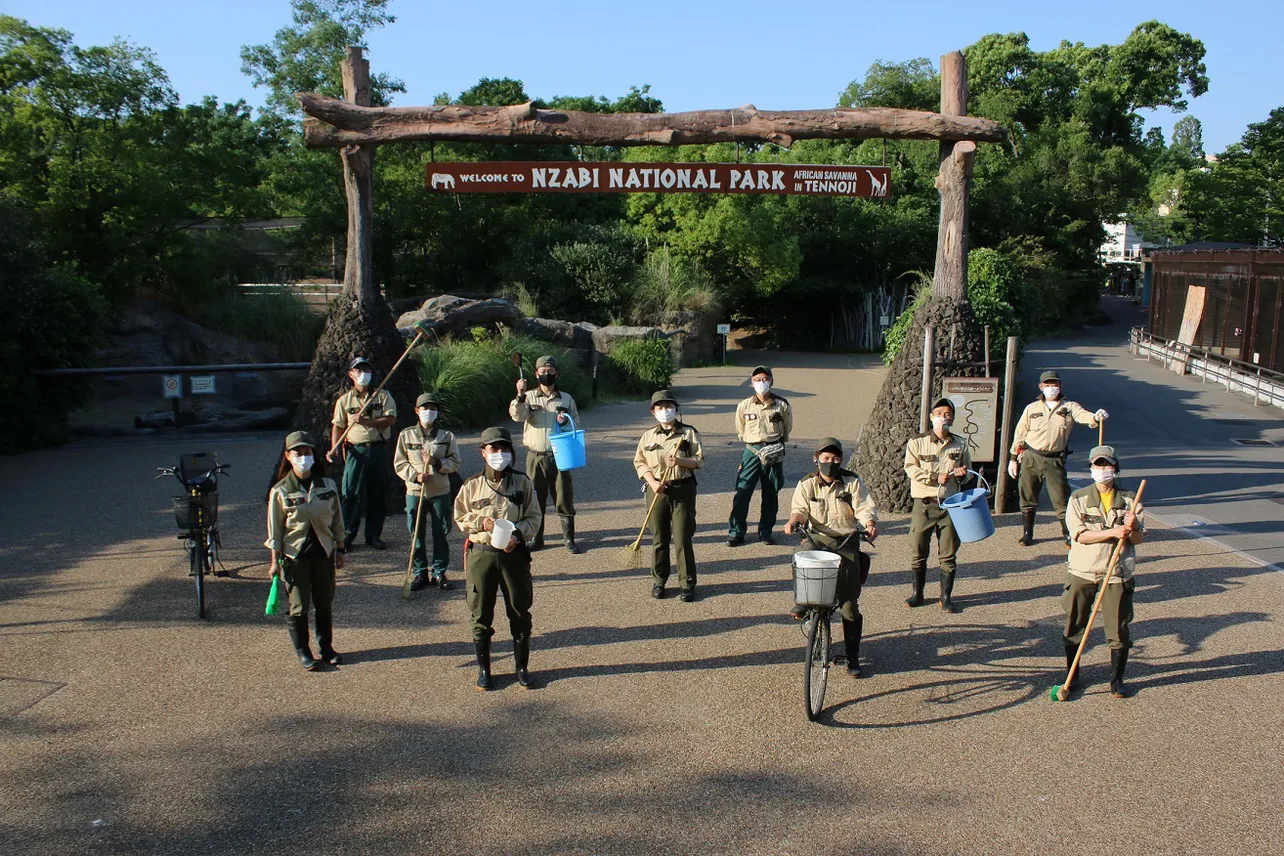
<point>817,664</point>
<point>200,558</point>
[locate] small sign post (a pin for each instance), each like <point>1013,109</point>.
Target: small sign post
<point>724,330</point>
<point>172,388</point>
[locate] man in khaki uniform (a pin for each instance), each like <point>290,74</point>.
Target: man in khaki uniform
<point>833,502</point>
<point>936,463</point>
<point>543,411</point>
<point>499,492</point>
<point>365,452</point>
<point>763,423</point>
<point>1040,445</point>
<point>426,456</point>
<point>1099,516</point>
<point>666,459</point>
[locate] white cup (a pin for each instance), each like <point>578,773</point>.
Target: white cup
<point>502,533</point>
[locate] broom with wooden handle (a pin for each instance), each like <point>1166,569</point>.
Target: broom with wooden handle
<point>420,511</point>
<point>631,556</point>
<point>421,331</point>
<point>1059,692</point>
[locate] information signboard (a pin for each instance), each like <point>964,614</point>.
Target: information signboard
<point>976,405</point>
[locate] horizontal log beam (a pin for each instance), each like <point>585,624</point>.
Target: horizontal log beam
<point>335,123</point>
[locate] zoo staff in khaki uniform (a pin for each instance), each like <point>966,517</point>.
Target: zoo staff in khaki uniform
<point>426,456</point>
<point>1040,445</point>
<point>667,458</point>
<point>1098,516</point>
<point>365,456</point>
<point>498,493</point>
<point>543,411</point>
<point>936,463</point>
<point>305,538</point>
<point>762,419</point>
<point>834,502</point>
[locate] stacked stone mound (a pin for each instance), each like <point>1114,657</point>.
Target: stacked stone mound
<point>895,417</point>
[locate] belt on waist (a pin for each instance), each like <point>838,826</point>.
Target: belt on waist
<point>370,443</point>
<point>485,548</point>
<point>1043,454</point>
<point>538,452</point>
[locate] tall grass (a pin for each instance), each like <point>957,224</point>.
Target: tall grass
<point>665,284</point>
<point>274,318</point>
<point>640,366</point>
<point>476,379</point>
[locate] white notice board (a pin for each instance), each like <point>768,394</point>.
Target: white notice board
<point>976,406</point>
<point>172,385</point>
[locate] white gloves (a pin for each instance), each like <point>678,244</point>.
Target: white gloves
<point>1101,415</point>
<point>1012,469</point>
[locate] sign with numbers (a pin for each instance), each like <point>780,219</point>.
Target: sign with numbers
<point>724,329</point>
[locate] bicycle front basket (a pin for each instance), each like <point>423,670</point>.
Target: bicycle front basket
<point>196,512</point>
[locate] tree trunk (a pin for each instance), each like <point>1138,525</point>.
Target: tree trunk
<point>895,418</point>
<point>358,185</point>
<point>338,123</point>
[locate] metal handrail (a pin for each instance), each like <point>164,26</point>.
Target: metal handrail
<point>211,369</point>
<point>1203,353</point>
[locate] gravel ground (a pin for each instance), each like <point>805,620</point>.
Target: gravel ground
<point>128,726</point>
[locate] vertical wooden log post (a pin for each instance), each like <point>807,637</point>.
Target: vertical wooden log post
<point>949,278</point>
<point>358,186</point>
<point>929,368</point>
<point>1005,432</point>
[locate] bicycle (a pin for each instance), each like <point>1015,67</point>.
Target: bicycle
<point>197,514</point>
<point>816,590</point>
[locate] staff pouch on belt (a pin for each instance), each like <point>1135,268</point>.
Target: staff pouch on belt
<point>770,454</point>
<point>287,569</point>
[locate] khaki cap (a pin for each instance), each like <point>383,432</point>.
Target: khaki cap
<point>1107,452</point>
<point>829,443</point>
<point>662,395</point>
<point>298,439</point>
<point>427,398</point>
<point>496,435</point>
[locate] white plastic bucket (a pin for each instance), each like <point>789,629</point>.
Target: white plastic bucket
<point>816,577</point>
<point>502,533</point>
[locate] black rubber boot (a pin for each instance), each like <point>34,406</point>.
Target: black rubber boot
<point>420,581</point>
<point>947,592</point>
<point>483,664</point>
<point>521,658</point>
<point>1072,648</point>
<point>851,641</point>
<point>1027,529</point>
<point>916,594</point>
<point>440,581</point>
<point>297,626</point>
<point>1065,532</point>
<point>568,532</point>
<point>325,635</point>
<point>1118,661</point>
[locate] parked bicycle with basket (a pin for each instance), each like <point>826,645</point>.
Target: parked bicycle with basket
<point>197,515</point>
<point>833,511</point>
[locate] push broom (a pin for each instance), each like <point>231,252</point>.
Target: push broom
<point>1059,692</point>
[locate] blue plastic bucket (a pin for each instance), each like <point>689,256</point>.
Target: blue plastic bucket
<point>970,512</point>
<point>568,447</point>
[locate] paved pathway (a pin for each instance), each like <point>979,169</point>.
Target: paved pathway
<point>126,726</point>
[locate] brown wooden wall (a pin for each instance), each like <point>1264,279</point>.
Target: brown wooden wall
<point>1242,309</point>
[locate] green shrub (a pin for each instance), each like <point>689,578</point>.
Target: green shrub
<point>896,334</point>
<point>640,366</point>
<point>276,318</point>
<point>476,379</point>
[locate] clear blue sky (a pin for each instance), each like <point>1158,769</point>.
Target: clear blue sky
<point>695,54</point>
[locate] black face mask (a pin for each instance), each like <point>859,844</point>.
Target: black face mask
<point>546,379</point>
<point>829,469</point>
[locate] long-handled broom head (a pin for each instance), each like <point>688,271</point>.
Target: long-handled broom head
<point>631,555</point>
<point>517,363</point>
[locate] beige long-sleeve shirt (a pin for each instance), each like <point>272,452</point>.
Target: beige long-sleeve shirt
<point>1085,512</point>
<point>349,405</point>
<point>538,414</point>
<point>511,498</point>
<point>835,509</point>
<point>292,512</point>
<point>1047,428</point>
<point>681,440</point>
<point>414,447</point>
<point>928,457</point>
<point>764,422</point>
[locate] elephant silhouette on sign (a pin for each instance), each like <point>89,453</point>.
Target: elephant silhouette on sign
<point>880,187</point>
<point>441,179</point>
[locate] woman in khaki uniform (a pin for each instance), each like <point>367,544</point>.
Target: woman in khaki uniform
<point>426,456</point>
<point>833,502</point>
<point>305,539</point>
<point>666,459</point>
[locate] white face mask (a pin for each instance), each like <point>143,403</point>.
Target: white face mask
<point>499,461</point>
<point>302,464</point>
<point>665,415</point>
<point>427,417</point>
<point>1103,475</point>
<point>1051,392</point>
<point>363,378</point>
<point>939,423</point>
<point>762,387</point>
